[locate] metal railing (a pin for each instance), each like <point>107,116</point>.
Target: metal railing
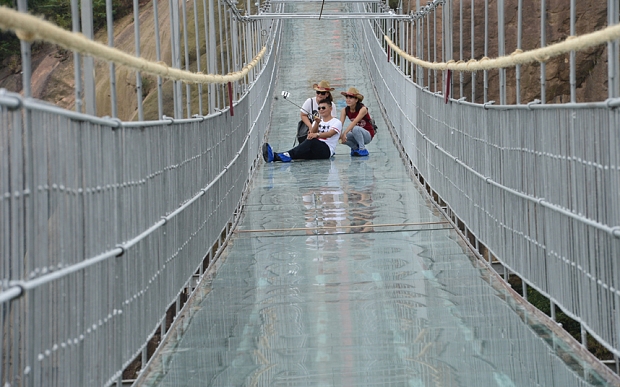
<point>107,222</point>
<point>534,186</point>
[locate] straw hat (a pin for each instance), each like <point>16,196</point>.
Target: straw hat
<point>353,93</point>
<point>322,86</point>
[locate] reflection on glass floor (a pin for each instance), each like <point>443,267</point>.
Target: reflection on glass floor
<point>341,273</point>
<point>346,277</point>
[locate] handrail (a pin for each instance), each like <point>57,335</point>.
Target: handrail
<point>518,57</point>
<point>30,28</point>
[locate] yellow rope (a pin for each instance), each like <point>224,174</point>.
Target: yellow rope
<point>572,43</point>
<point>30,28</point>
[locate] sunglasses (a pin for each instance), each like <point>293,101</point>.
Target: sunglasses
<point>321,92</point>
<point>322,107</point>
<point>349,96</point>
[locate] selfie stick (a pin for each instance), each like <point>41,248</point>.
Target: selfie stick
<point>286,94</point>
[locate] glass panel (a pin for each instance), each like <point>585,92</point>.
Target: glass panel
<point>343,274</point>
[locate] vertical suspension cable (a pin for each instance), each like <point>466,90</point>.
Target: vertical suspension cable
<point>212,57</point>
<point>519,37</point>
<point>413,39</point>
<point>235,52</point>
<point>221,88</point>
<point>419,45</point>
<point>110,25</point>
<point>613,54</point>
<point>136,28</point>
<point>188,91</point>
<point>461,75</point>
<point>573,80</point>
<point>447,45</point>
<point>486,48</point>
<point>428,48</point>
<point>473,52</point>
<point>227,40</point>
<point>435,48</point>
<point>88,63</point>
<point>160,102</point>
<point>543,43</point>
<point>77,58</point>
<point>501,48</point>
<point>175,42</point>
<point>198,69</point>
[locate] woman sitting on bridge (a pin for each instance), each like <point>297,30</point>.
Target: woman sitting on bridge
<point>309,108</point>
<point>321,142</point>
<point>360,131</point>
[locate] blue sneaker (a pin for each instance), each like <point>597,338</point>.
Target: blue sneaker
<point>354,152</point>
<point>267,153</point>
<point>284,157</point>
<point>362,152</point>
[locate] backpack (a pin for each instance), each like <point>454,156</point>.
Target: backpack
<point>372,121</point>
<point>302,128</point>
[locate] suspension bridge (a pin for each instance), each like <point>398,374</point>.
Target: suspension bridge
<point>145,242</point>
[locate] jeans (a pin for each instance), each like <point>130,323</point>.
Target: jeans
<point>314,149</point>
<point>358,138</point>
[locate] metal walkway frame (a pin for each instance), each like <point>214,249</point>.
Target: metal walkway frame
<point>84,257</point>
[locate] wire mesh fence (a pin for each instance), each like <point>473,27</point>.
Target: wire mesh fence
<point>535,183</point>
<point>106,220</point>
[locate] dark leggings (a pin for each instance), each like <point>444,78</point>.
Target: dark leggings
<point>314,149</point>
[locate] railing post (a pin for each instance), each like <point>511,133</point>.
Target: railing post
<point>419,46</point>
<point>212,55</point>
<point>112,66</point>
<point>613,51</point>
<point>160,102</point>
<point>543,43</point>
<point>501,48</point>
<point>89,62</point>
<point>198,67</point>
<point>473,54</point>
<point>486,49</point>
<point>77,58</point>
<point>188,90</point>
<point>519,38</point>
<point>461,46</point>
<point>573,80</point>
<point>175,41</point>
<point>136,29</point>
<point>447,45</point>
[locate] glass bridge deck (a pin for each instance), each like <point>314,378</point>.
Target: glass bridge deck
<point>342,273</point>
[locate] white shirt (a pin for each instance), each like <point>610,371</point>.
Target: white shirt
<point>332,141</point>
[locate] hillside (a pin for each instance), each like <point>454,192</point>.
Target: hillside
<point>53,76</point>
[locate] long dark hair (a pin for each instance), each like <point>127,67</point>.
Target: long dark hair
<point>358,106</point>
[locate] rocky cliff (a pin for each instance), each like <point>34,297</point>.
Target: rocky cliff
<point>53,68</point>
<point>591,65</point>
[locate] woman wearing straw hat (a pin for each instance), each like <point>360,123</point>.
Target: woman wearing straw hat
<point>310,107</point>
<point>360,131</point>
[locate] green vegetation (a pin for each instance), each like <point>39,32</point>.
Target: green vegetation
<point>571,326</point>
<point>58,12</point>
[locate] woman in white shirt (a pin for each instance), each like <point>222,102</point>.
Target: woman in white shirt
<point>310,107</point>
